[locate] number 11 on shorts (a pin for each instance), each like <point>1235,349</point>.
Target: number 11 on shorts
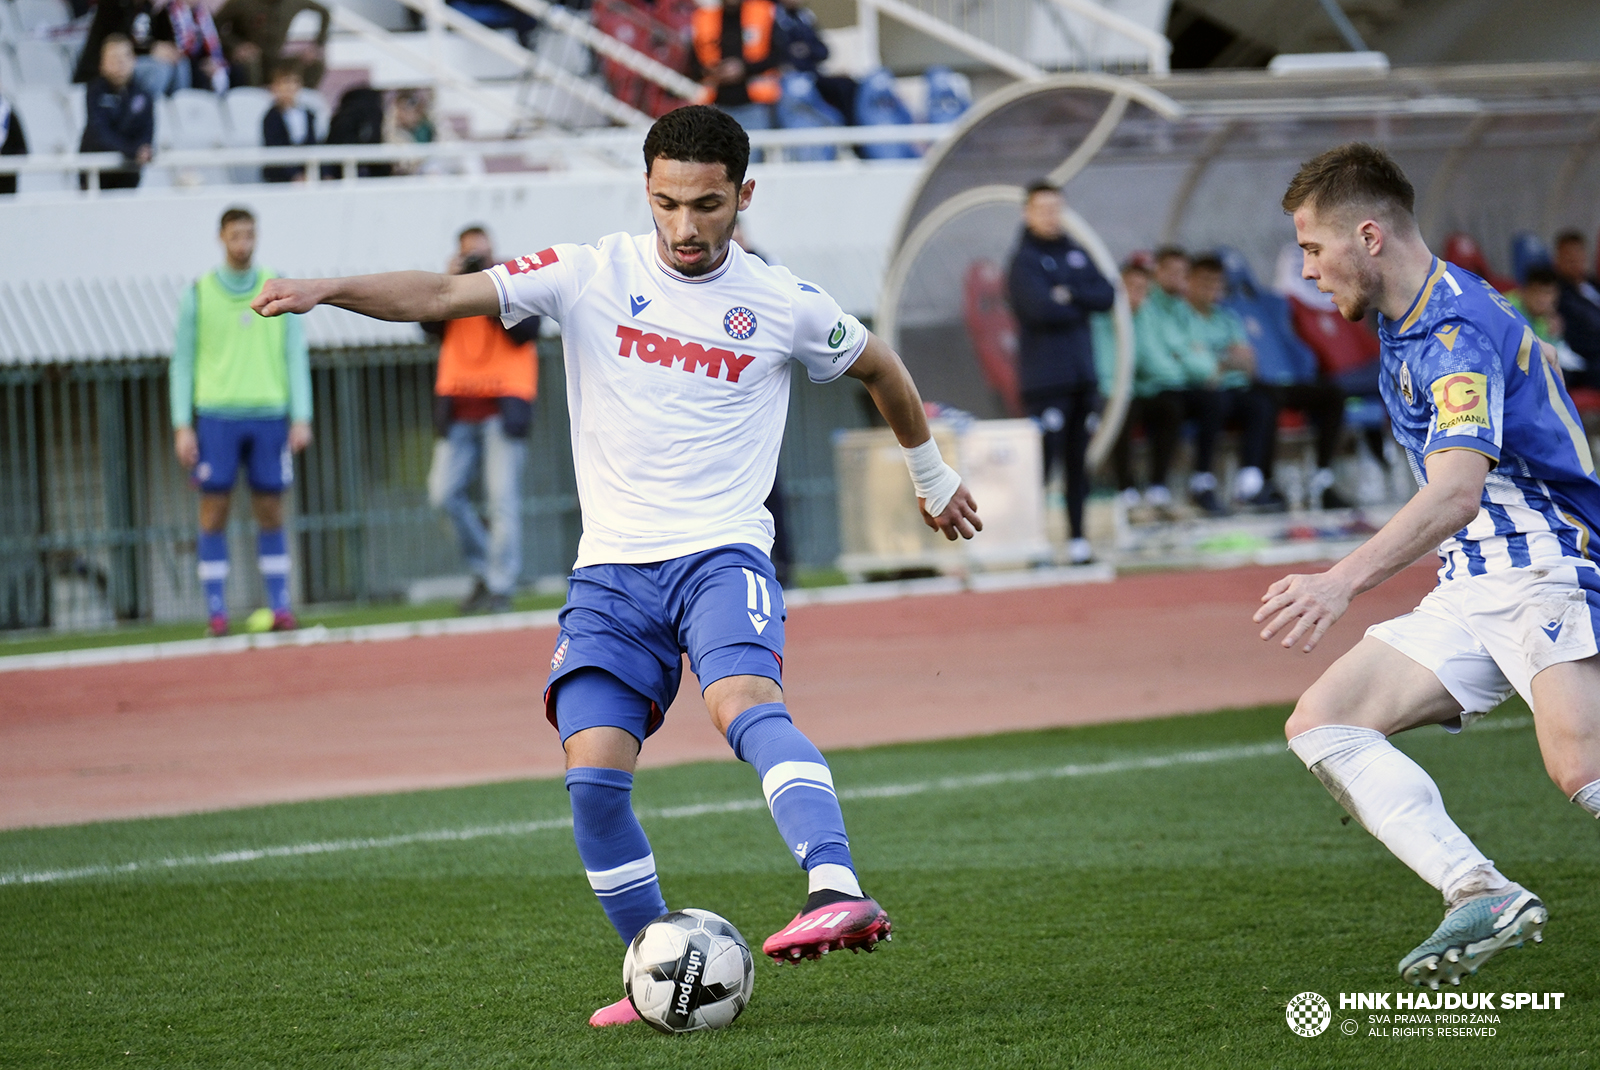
<point>760,612</point>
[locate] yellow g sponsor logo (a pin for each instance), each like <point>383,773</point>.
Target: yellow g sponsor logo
<point>1462,398</point>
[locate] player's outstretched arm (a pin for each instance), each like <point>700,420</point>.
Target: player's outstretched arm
<point>404,296</point>
<point>1309,605</point>
<point>895,395</point>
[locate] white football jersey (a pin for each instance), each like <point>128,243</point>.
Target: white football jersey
<point>678,387</point>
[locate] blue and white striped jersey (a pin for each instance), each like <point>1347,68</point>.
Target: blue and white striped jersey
<point>1463,370</point>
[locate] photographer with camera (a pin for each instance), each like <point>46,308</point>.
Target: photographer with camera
<point>482,410</point>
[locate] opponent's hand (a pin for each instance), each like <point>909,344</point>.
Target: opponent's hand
<point>186,446</point>
<point>287,295</point>
<point>299,436</point>
<point>960,517</point>
<point>1310,603</point>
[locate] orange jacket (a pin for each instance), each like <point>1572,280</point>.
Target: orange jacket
<point>755,24</point>
<point>477,359</point>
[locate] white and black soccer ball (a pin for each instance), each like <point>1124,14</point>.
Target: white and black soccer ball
<point>688,970</point>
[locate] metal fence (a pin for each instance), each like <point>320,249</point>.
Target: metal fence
<point>98,521</point>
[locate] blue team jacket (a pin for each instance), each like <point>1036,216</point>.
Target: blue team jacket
<point>1055,348</point>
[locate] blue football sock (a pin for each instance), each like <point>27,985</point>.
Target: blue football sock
<point>273,551</point>
<point>796,781</point>
<point>615,852</point>
<point>214,572</point>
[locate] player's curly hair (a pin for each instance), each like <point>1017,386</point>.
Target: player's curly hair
<point>699,133</point>
<point>1354,175</point>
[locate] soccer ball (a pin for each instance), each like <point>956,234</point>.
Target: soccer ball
<point>688,970</point>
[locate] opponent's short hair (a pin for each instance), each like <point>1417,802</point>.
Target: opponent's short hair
<point>1167,252</point>
<point>1541,276</point>
<point>288,67</point>
<point>699,133</point>
<point>1208,262</point>
<point>234,215</point>
<point>469,231</point>
<point>1569,236</point>
<point>1042,185</point>
<point>114,39</point>
<point>1353,176</point>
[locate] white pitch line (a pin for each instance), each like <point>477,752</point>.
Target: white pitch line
<point>732,806</point>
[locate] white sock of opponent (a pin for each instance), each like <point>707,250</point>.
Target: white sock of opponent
<point>1396,801</point>
<point>1588,797</point>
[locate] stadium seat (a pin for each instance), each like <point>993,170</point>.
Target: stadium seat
<point>949,94</point>
<point>1528,251</point>
<point>166,123</point>
<point>46,119</point>
<point>9,29</point>
<point>10,77</point>
<point>802,107</point>
<point>42,63</point>
<point>34,15</point>
<point>877,104</point>
<point>1464,252</point>
<point>244,107</point>
<point>198,117</point>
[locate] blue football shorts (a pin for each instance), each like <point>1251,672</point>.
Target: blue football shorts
<point>260,444</point>
<point>723,607</point>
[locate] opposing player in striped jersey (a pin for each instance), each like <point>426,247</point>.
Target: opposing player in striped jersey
<point>678,349</point>
<point>1509,499</point>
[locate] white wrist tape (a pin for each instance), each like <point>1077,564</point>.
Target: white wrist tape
<point>936,482</point>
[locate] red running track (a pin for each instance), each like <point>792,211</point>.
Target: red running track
<point>293,723</point>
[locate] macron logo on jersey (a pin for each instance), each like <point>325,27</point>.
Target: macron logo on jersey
<point>524,264</point>
<point>638,304</point>
<point>657,349</point>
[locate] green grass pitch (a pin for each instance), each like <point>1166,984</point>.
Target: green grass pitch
<point>1157,906</point>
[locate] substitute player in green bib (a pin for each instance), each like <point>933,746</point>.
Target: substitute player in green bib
<point>241,395</point>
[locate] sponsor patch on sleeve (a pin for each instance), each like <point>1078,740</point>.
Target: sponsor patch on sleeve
<point>1462,400</point>
<point>845,333</point>
<point>524,264</point>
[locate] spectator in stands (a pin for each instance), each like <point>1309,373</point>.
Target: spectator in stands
<point>806,51</point>
<point>287,122</point>
<point>203,64</point>
<point>12,141</point>
<point>240,394</point>
<point>738,48</point>
<point>1239,398</point>
<point>1579,303</point>
<point>1538,299</point>
<point>254,33</point>
<point>1053,288</point>
<point>1179,376</point>
<point>483,408</point>
<point>408,120</point>
<point>121,116</point>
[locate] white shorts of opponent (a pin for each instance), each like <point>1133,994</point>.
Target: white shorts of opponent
<point>1486,636</point>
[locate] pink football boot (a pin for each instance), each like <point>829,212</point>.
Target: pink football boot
<point>619,1013</point>
<point>830,921</point>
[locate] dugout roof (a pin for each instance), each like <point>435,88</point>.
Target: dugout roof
<point>1201,160</point>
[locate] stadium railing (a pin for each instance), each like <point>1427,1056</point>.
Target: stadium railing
<point>610,149</point>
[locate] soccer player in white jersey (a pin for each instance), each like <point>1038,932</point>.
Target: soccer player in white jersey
<point>678,346</point>
<point>1510,501</point>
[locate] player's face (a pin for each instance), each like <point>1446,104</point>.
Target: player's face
<point>696,206</point>
<point>239,241</point>
<point>1339,258</point>
<point>1042,214</point>
<point>1570,260</point>
<point>1205,287</point>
